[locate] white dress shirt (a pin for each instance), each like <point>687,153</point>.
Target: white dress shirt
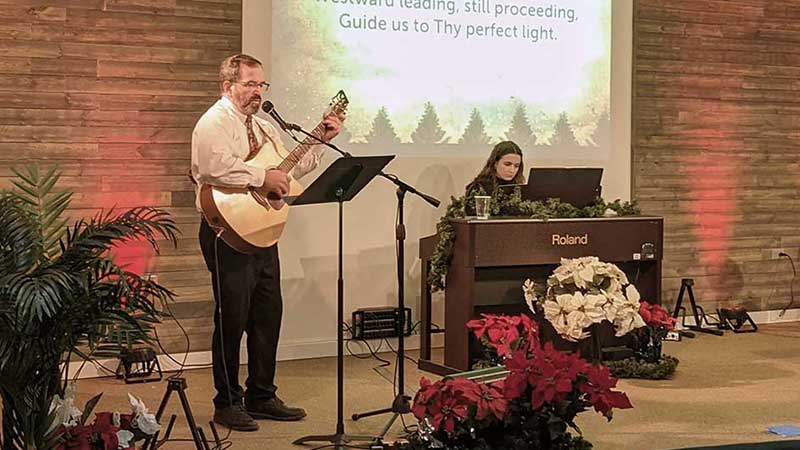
<point>220,146</point>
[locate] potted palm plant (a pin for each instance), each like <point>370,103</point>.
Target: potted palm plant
<point>63,294</point>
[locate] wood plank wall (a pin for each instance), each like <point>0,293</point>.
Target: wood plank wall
<point>110,90</point>
<point>715,151</point>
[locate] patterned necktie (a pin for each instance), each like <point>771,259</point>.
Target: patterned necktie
<point>251,138</point>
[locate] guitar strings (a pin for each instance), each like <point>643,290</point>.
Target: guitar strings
<point>298,153</point>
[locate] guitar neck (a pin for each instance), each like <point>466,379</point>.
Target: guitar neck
<point>300,151</point>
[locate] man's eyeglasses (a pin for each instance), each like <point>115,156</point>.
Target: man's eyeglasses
<point>263,86</point>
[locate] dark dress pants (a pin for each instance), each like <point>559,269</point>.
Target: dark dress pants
<point>247,295</point>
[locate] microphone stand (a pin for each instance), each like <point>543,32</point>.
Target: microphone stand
<point>401,403</point>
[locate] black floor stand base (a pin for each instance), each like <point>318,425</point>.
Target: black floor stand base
<point>400,406</point>
<point>336,441</point>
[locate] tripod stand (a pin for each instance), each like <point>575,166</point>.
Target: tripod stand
<point>697,311</point>
<point>401,404</point>
<point>178,384</point>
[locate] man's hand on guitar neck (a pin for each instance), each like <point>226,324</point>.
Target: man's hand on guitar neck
<point>275,182</point>
<point>333,126</point>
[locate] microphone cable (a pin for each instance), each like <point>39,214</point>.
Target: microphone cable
<point>219,314</point>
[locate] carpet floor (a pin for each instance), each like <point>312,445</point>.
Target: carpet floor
<point>727,390</point>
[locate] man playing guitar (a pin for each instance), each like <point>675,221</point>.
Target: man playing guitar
<point>247,288</point>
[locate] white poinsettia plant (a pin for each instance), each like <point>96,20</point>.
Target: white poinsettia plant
<point>143,419</point>
<point>585,291</point>
<point>64,410</point>
<point>69,416</point>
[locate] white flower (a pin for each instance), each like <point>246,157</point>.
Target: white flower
<point>66,413</point>
<point>632,294</point>
<point>627,321</point>
<point>575,324</point>
<point>530,294</point>
<point>125,438</point>
<point>557,311</point>
<point>619,274</point>
<point>615,286</point>
<point>593,307</point>
<point>554,309</point>
<point>565,273</point>
<point>142,419</point>
<point>579,319</point>
<point>559,323</point>
<point>579,277</point>
<point>574,302</point>
<point>563,276</point>
<point>610,304</point>
<point>587,274</point>
<point>568,314</point>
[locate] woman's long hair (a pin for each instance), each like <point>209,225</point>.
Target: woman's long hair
<point>487,178</point>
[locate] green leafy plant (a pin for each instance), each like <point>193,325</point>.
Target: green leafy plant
<point>637,368</point>
<point>62,293</point>
<point>509,205</point>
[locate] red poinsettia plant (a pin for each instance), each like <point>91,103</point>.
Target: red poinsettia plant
<point>533,407</point>
<point>650,337</point>
<point>500,335</point>
<point>448,403</point>
<point>103,433</point>
<point>550,378</point>
<point>655,316</point>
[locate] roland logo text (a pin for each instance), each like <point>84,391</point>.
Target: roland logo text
<point>568,239</point>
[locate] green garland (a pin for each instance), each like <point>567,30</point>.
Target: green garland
<point>634,368</point>
<point>510,206</point>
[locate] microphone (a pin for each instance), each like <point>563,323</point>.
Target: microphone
<point>269,108</point>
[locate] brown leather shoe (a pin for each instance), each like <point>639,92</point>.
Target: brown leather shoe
<point>235,418</point>
<point>275,409</point>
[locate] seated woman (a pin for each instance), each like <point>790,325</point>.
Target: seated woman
<point>504,166</point>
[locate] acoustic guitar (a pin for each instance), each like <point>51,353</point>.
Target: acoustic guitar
<point>248,219</point>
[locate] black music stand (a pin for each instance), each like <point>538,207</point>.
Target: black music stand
<point>340,183</point>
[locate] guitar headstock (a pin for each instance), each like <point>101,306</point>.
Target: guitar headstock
<point>338,104</point>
